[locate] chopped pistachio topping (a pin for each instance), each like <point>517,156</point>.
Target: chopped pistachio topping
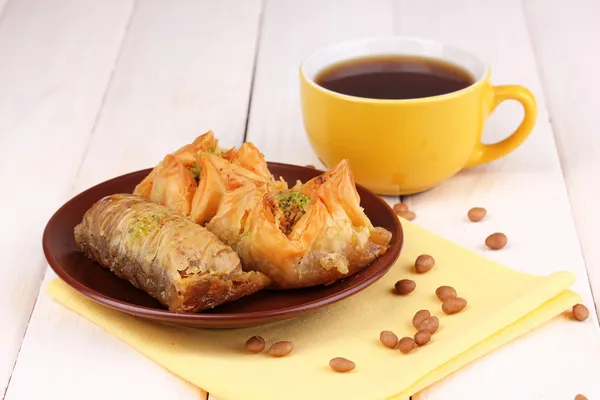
<point>287,200</point>
<point>196,171</point>
<point>214,149</point>
<point>143,226</point>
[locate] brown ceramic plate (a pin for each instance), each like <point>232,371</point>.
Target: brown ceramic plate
<point>102,286</point>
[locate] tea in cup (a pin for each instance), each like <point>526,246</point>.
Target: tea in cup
<point>407,113</point>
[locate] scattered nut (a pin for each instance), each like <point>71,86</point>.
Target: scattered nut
<point>580,397</point>
<point>496,241</point>
<point>389,339</point>
<point>255,344</point>
<point>422,337</point>
<point>476,214</point>
<point>580,312</point>
<point>400,208</point>
<point>406,344</point>
<point>430,325</point>
<point>445,292</point>
<point>340,364</point>
<point>408,215</point>
<point>310,166</point>
<point>424,263</point>
<point>454,305</point>
<point>281,349</point>
<point>419,317</point>
<point>405,286</point>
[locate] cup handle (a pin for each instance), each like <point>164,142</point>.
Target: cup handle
<point>485,153</point>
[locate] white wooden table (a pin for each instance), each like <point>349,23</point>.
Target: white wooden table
<point>90,89</point>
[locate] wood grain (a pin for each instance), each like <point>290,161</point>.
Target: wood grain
<point>3,8</point>
<point>568,60</point>
<point>187,66</point>
<point>291,31</point>
<point>56,61</point>
<point>71,358</point>
<point>173,80</point>
<point>526,198</point>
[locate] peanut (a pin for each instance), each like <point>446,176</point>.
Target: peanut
<point>405,286</point>
<point>430,325</point>
<point>340,364</point>
<point>406,344</point>
<point>445,292</point>
<point>419,317</point>
<point>281,349</point>
<point>454,305</point>
<point>476,214</point>
<point>424,263</point>
<point>496,241</point>
<point>580,312</point>
<point>389,339</point>
<point>422,337</point>
<point>255,344</point>
<point>400,208</point>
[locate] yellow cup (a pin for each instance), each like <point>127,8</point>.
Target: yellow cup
<point>398,147</point>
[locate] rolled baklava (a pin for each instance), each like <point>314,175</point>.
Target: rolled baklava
<point>164,253</point>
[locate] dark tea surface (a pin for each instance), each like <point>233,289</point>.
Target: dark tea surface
<point>394,77</point>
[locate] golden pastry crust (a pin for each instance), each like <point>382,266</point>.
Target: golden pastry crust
<point>158,250</point>
<point>174,186</point>
<point>314,234</point>
<point>249,157</point>
<point>185,155</point>
<point>211,188</point>
<point>193,179</point>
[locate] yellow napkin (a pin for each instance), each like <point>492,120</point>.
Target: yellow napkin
<point>502,305</point>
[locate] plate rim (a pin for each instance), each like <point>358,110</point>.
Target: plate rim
<point>250,317</point>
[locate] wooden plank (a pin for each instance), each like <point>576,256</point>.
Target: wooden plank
<point>526,198</point>
<point>71,358</point>
<point>176,81</point>
<point>185,66</point>
<point>568,70</point>
<point>291,31</point>
<point>56,61</point>
<point>3,8</point>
